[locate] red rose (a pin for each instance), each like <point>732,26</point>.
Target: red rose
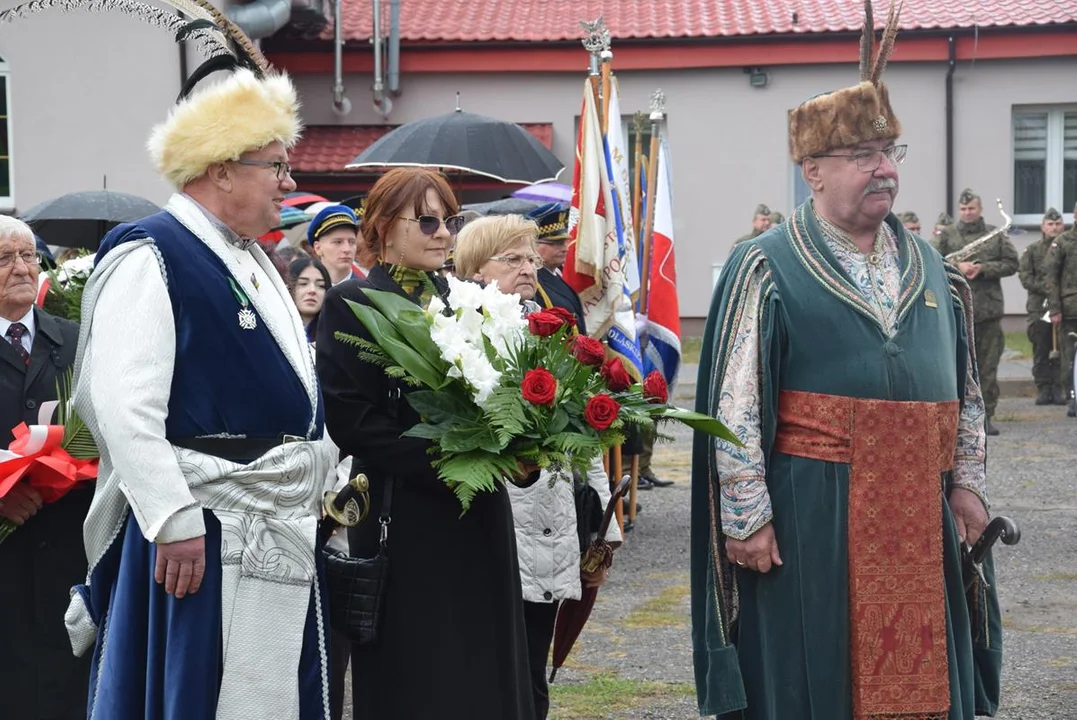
<point>601,411</point>
<point>539,386</point>
<point>617,378</point>
<point>544,323</point>
<point>588,350</point>
<point>655,388</point>
<point>567,316</point>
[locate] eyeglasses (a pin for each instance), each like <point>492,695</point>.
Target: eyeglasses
<point>282,168</point>
<point>870,160</point>
<point>515,261</point>
<point>429,224</point>
<point>30,257</point>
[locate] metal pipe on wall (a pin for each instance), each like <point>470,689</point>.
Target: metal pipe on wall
<point>393,76</point>
<point>341,104</point>
<point>951,66</point>
<point>261,18</point>
<point>382,104</point>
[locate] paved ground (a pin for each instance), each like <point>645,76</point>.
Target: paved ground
<point>634,660</point>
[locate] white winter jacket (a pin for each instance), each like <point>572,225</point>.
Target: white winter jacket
<point>546,539</point>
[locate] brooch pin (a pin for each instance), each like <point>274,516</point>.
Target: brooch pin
<point>247,319</point>
<point>879,124</point>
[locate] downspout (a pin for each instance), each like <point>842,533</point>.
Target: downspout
<point>261,18</point>
<point>382,104</point>
<point>952,65</point>
<point>184,70</point>
<point>341,104</point>
<point>394,47</point>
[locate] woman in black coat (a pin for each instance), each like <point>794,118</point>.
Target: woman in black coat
<point>452,642</point>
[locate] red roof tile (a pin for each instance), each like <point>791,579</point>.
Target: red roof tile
<point>555,20</point>
<point>328,148</point>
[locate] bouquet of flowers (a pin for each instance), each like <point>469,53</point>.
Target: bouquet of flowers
<point>498,390</point>
<point>61,289</point>
<point>52,458</point>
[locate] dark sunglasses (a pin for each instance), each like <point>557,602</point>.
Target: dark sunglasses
<point>428,224</point>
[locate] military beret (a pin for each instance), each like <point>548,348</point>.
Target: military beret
<point>908,217</point>
<point>1052,214</point>
<point>967,196</point>
<point>762,209</point>
<point>944,219</point>
<point>329,218</point>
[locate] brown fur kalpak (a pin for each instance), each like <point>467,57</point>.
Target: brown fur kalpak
<point>852,115</point>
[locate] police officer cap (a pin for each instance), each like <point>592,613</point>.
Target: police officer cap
<point>330,218</point>
<point>967,196</point>
<point>762,209</point>
<point>552,221</point>
<point>908,217</point>
<point>1052,214</point>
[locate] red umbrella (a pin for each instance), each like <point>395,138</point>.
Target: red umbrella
<point>573,614</point>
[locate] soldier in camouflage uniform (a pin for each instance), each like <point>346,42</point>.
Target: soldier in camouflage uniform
<point>991,263</point>
<point>760,223</point>
<point>911,221</point>
<point>1046,370</point>
<point>1062,301</point>
<point>776,218</point>
<point>941,224</point>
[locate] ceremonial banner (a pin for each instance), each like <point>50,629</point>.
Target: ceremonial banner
<point>663,351</point>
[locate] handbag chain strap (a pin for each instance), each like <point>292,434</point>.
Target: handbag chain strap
<point>385,518</point>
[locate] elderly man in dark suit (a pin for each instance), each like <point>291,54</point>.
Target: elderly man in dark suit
<point>44,557</point>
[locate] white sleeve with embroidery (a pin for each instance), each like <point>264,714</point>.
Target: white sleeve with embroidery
<point>969,457</point>
<point>741,473</point>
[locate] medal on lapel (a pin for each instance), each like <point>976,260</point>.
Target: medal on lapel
<point>247,319</point>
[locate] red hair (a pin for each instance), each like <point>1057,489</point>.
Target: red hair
<point>396,191</point>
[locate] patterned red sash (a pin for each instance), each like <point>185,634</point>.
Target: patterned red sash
<point>897,602</point>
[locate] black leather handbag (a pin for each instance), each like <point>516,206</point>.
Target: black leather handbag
<point>357,586</point>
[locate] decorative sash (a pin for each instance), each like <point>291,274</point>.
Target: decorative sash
<point>897,603</point>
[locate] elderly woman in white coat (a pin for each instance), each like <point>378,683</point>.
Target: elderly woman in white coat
<point>502,249</point>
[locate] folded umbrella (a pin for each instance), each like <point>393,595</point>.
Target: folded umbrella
<point>573,614</point>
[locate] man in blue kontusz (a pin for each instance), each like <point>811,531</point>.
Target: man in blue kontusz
<point>196,379</point>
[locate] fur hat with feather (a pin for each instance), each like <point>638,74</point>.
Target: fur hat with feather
<point>221,122</point>
<point>852,115</point>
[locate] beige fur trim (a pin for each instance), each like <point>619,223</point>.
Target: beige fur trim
<point>842,119</point>
<point>223,121</point>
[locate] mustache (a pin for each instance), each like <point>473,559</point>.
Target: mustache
<point>879,184</point>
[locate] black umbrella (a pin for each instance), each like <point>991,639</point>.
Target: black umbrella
<point>468,142</point>
<point>505,206</point>
<point>81,219</point>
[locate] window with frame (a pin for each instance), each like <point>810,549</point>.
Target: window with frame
<point>1044,162</point>
<point>7,195</point>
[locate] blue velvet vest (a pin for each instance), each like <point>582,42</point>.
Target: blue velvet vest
<point>226,379</point>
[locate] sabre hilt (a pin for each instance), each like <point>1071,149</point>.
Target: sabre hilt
<point>1001,528</point>
<point>351,505</point>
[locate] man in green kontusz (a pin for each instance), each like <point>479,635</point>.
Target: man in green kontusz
<point>836,348</point>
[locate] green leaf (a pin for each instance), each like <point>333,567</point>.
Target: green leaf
<point>390,340</point>
<point>466,438</point>
<point>444,406</point>
<point>473,472</point>
<point>575,444</point>
<point>700,422</point>
<point>410,321</point>
<point>559,422</point>
<point>427,431</point>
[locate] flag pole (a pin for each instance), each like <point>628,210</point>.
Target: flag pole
<point>637,184</point>
<point>658,114</point>
<point>597,42</point>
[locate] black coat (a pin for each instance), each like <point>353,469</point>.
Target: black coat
<point>452,643</point>
<point>561,295</point>
<point>40,561</point>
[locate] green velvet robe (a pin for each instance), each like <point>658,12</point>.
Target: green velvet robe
<point>776,646</point>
